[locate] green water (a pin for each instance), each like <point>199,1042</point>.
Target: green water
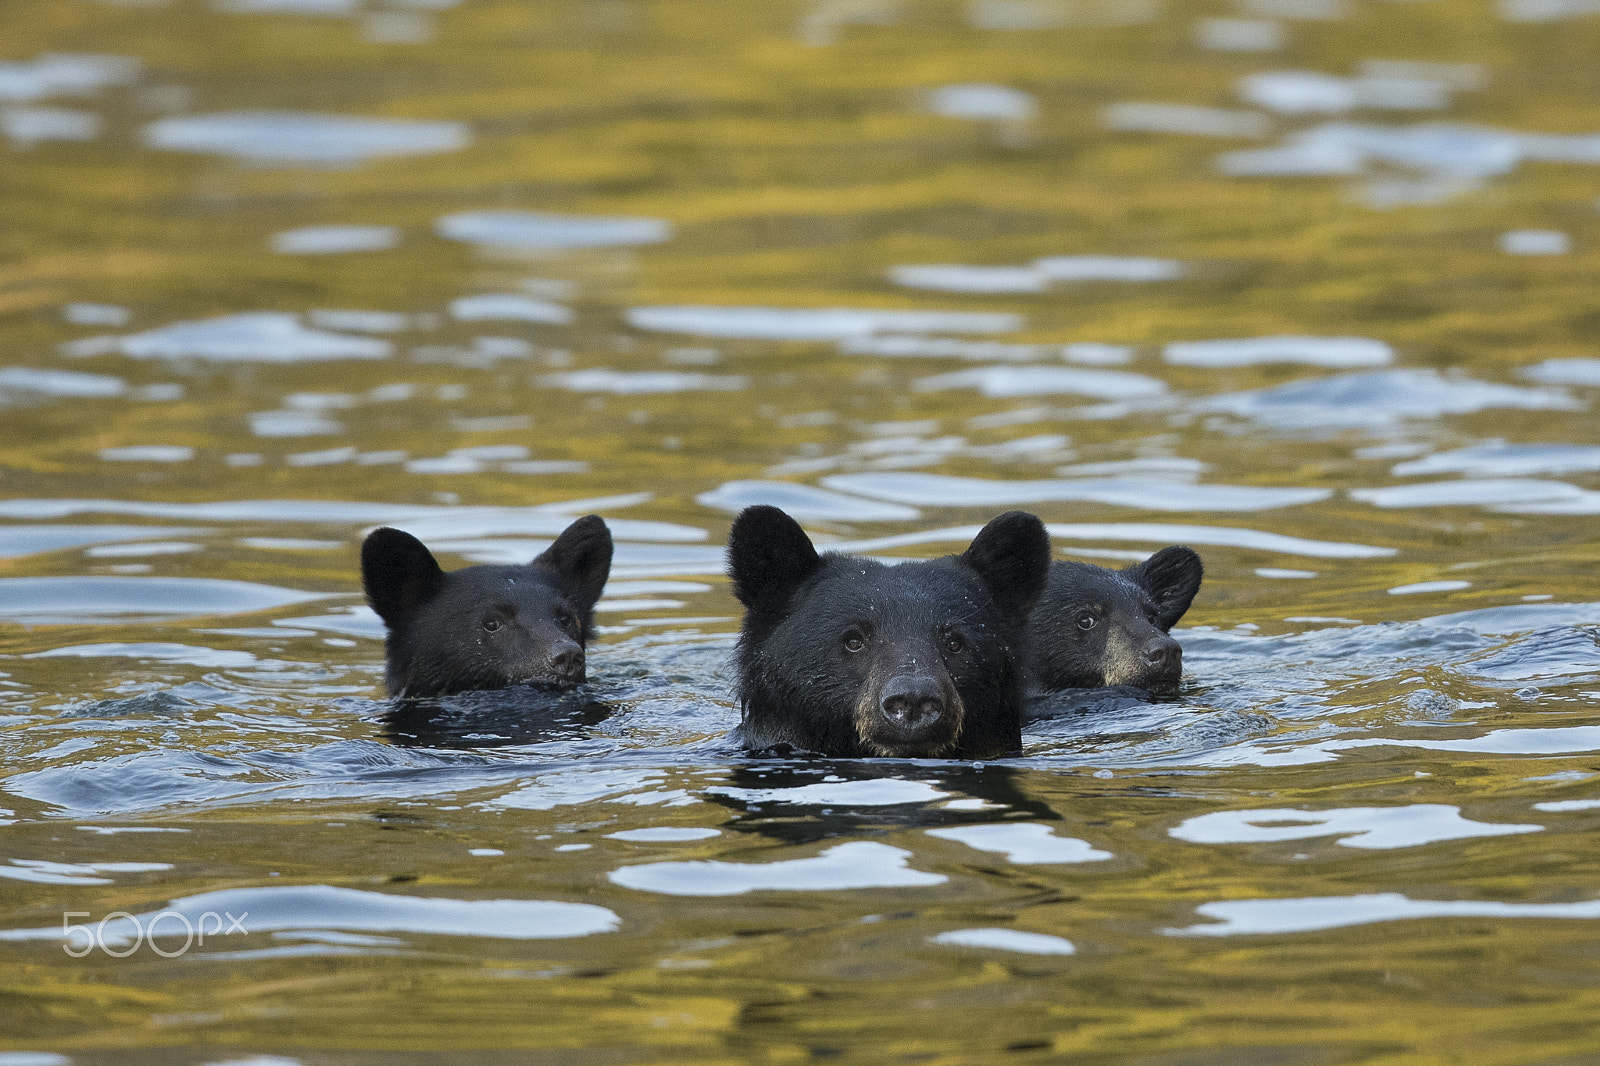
<point>1416,906</point>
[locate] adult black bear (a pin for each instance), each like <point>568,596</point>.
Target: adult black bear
<point>485,627</point>
<point>1094,626</point>
<point>846,656</point>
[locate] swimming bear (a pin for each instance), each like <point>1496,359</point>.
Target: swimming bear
<point>846,656</point>
<point>1094,626</point>
<point>485,627</point>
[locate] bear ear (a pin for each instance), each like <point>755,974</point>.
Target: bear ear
<point>581,555</point>
<point>1012,555</point>
<point>1172,577</point>
<point>769,555</point>
<point>398,573</point>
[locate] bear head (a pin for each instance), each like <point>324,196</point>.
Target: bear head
<point>485,627</point>
<point>847,656</point>
<point>1094,626</point>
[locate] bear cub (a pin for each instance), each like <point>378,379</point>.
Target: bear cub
<point>1094,626</point>
<point>485,627</point>
<point>849,657</point>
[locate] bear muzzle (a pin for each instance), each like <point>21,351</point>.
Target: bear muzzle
<point>912,714</point>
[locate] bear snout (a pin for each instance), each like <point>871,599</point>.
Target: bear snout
<point>1162,663</point>
<point>912,703</point>
<point>567,661</point>
<point>910,715</point>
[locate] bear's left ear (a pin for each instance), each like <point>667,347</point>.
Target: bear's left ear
<point>581,555</point>
<point>398,573</point>
<point>1172,577</point>
<point>1012,555</point>
<point>769,556</point>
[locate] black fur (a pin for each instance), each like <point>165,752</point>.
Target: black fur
<point>845,656</point>
<point>485,627</point>
<point>1094,626</point>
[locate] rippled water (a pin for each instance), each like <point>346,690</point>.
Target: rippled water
<point>1305,284</point>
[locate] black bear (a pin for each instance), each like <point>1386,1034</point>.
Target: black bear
<point>485,627</point>
<point>846,656</point>
<point>1094,626</point>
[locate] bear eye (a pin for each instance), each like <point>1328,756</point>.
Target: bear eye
<point>1087,621</point>
<point>854,642</point>
<point>492,625</point>
<point>953,643</point>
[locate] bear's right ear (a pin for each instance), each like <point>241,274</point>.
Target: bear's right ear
<point>582,555</point>
<point>398,573</point>
<point>769,555</point>
<point>1012,555</point>
<point>1172,576</point>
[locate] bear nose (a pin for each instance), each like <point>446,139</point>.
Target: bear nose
<point>567,661</point>
<point>1163,654</point>
<point>913,703</point>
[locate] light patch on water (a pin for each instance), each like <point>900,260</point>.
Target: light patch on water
<point>325,907</point>
<point>1006,940</point>
<point>364,322</point>
<point>904,346</point>
<point>1429,586</point>
<point>1145,532</point>
<point>1280,574</point>
<point>1305,92</point>
<point>803,502</point>
<point>1378,399</point>
<point>64,74</point>
<point>1239,35</point>
<point>509,307</point>
<point>354,621</point>
<point>1582,372</point>
<point>1077,268</point>
<point>1559,806</point>
<point>27,126</point>
<point>1333,352</point>
<point>852,865</point>
<point>1256,917</point>
<point>1470,492</point>
<point>62,383</point>
<point>33,1058</point>
<point>430,519</point>
<point>1007,381</point>
<point>324,8</point>
<point>981,101</point>
<point>457,524</point>
<point>1020,15</point>
<point>1357,827</point>
<point>293,424</point>
<point>941,490</point>
<point>184,654</point>
<point>1308,10</point>
<point>1520,617</point>
<point>883,792</point>
<point>80,600</point>
<point>1190,119</point>
<point>148,453</point>
<point>335,240</point>
<point>1096,354</point>
<point>73,873</point>
<point>1546,10</point>
<point>148,548</point>
<point>252,336</point>
<point>640,382</point>
<point>29,540</point>
<point>954,277</point>
<point>1535,242</point>
<point>91,314</point>
<point>665,834</point>
<point>1023,843</point>
<point>532,231</point>
<point>572,787</point>
<point>1500,459</point>
<point>287,138</point>
<point>117,830</point>
<point>813,324</point>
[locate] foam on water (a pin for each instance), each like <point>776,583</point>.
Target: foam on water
<point>1263,917</point>
<point>1333,352</point>
<point>813,324</point>
<point>853,865</point>
<point>1023,843</point>
<point>534,231</point>
<point>289,138</point>
<point>942,490</point>
<point>1356,827</point>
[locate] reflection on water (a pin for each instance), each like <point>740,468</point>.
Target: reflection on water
<point>1308,280</point>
